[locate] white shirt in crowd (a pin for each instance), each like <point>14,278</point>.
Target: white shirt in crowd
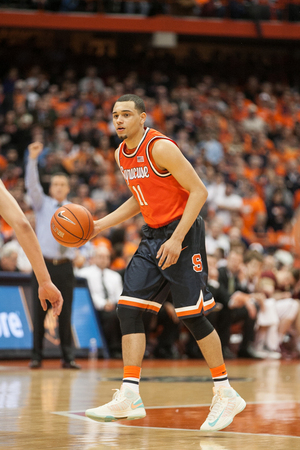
<point>233,202</point>
<point>212,244</point>
<point>112,281</point>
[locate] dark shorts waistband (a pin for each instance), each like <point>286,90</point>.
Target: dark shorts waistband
<point>165,231</point>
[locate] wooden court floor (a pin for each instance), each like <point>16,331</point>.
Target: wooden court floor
<point>44,408</point>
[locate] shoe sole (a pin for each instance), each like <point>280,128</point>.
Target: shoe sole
<point>239,408</point>
<point>141,415</point>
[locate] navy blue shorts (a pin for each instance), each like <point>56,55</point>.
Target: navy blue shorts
<point>146,285</point>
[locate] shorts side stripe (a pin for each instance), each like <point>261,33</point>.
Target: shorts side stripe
<point>139,303</point>
<point>195,309</point>
<point>209,304</point>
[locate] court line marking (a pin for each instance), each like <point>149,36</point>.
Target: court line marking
<point>201,434</point>
<point>194,405</point>
<point>75,415</point>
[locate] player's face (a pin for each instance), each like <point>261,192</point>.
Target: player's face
<point>127,121</point>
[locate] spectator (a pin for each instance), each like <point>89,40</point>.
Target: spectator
<point>105,286</point>
<point>23,263</point>
<point>253,211</point>
<point>237,307</point>
<point>91,81</point>
<point>215,238</point>
<point>215,187</point>
<point>8,259</point>
<point>253,123</point>
<point>275,320</point>
<point>58,259</point>
<point>278,211</point>
<point>212,149</point>
<point>228,203</point>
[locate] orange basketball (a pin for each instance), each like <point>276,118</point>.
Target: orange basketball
<point>72,225</point>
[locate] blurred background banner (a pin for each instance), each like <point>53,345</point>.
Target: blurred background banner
<point>16,320</point>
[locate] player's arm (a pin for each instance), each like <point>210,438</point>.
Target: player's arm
<point>168,156</point>
<point>14,216</point>
<point>128,209</point>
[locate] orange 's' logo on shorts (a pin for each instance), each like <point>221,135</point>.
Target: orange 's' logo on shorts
<point>197,262</point>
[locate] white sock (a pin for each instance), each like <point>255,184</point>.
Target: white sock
<point>224,383</point>
<point>132,383</point>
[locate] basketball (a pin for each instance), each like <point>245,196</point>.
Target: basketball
<point>72,225</point>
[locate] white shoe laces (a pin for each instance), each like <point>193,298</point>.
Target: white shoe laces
<point>216,406</point>
<point>118,396</point>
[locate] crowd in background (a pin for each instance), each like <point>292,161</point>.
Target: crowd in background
<point>243,140</point>
<point>233,9</point>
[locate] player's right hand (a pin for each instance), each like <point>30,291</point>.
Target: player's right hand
<point>50,292</point>
<point>169,253</point>
<point>35,149</point>
<point>97,228</point>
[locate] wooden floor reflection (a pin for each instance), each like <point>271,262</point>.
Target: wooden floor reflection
<point>44,409</point>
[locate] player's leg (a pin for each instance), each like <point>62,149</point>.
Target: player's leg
<point>142,282</point>
<point>191,299</point>
<point>133,349</point>
<point>126,402</point>
<point>226,401</point>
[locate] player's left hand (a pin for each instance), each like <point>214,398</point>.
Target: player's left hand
<point>169,253</point>
<point>48,291</point>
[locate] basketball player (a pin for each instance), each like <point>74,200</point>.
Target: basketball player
<point>14,216</point>
<point>171,256</point>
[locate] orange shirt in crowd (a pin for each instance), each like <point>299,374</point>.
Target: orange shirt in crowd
<point>98,240</point>
<point>282,239</point>
<point>6,230</point>
<point>296,199</point>
<point>103,127</point>
<point>158,117</point>
<point>252,206</point>
<point>3,163</point>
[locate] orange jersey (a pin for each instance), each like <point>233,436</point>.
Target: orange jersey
<point>161,198</point>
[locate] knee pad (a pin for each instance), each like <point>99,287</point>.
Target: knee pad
<point>199,326</point>
<point>131,320</point>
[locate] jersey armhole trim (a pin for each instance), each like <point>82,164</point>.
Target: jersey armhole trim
<point>153,166</point>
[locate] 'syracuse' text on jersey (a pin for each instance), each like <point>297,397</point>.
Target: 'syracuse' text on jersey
<point>161,198</point>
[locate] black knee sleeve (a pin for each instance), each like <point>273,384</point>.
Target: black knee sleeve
<point>199,326</point>
<point>131,320</point>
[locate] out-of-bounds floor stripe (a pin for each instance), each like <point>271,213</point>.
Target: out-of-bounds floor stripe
<point>257,418</point>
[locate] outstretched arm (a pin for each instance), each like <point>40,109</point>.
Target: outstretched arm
<point>14,216</point>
